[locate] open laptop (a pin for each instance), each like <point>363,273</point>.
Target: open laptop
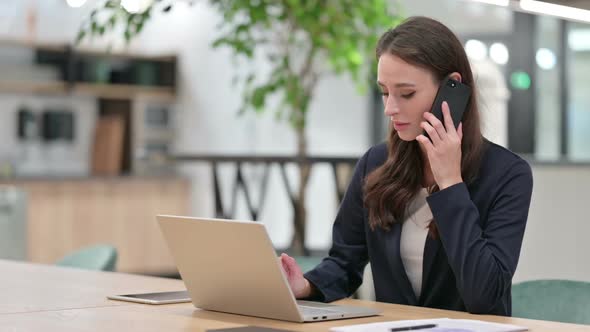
<point>231,266</point>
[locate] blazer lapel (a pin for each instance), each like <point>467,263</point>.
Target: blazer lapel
<point>431,248</point>
<point>392,243</point>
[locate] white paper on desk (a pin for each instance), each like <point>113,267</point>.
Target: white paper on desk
<point>442,325</point>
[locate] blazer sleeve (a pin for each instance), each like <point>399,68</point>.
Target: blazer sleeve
<point>341,273</point>
<point>484,259</point>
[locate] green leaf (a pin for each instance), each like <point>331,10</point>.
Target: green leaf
<point>139,27</point>
<point>112,4</point>
<point>112,21</point>
<point>258,97</point>
<point>249,78</point>
<point>355,58</point>
<point>242,28</point>
<point>218,42</point>
<point>80,36</point>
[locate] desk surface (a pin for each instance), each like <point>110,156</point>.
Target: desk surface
<point>34,287</point>
<point>48,298</point>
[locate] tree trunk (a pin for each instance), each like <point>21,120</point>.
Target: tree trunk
<point>300,214</point>
<point>309,79</point>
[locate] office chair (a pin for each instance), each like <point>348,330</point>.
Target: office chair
<point>557,300</point>
<point>98,258</point>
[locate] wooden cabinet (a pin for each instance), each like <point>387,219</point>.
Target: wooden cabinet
<point>66,215</point>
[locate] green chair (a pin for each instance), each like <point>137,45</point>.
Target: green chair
<point>556,300</point>
<point>98,258</point>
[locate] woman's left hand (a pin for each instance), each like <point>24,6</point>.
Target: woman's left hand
<point>443,148</point>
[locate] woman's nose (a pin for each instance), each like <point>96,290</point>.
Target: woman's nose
<point>390,107</point>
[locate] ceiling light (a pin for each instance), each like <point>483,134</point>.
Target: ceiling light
<point>545,59</point>
<point>499,53</point>
<point>135,6</point>
<point>75,3</point>
<point>503,3</point>
<point>476,49</point>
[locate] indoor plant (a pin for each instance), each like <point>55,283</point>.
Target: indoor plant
<point>303,36</point>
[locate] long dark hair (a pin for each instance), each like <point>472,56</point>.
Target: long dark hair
<point>390,188</point>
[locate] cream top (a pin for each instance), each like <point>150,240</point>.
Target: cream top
<point>413,239</point>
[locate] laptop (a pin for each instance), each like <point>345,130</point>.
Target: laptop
<point>231,266</point>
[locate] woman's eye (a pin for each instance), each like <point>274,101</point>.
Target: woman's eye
<point>385,94</point>
<point>408,95</point>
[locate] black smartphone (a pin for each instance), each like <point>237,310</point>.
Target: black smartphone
<point>456,94</point>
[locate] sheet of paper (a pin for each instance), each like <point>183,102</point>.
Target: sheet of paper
<point>442,325</point>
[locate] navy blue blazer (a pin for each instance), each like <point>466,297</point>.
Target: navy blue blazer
<point>468,268</point>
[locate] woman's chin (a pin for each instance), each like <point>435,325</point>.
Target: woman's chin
<point>408,137</point>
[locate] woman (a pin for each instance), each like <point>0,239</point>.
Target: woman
<point>440,219</point>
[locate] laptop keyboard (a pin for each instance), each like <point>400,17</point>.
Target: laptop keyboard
<point>313,311</point>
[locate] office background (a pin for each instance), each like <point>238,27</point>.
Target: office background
<point>536,103</point>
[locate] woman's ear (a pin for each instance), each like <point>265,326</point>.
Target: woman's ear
<point>456,76</point>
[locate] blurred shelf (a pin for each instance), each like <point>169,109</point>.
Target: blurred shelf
<point>123,55</point>
<point>158,135</point>
<point>125,91</point>
<point>33,44</point>
<point>109,91</point>
<point>164,177</point>
<point>146,76</point>
<point>22,87</point>
<point>85,51</point>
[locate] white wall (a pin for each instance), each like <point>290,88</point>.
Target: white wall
<point>556,239</point>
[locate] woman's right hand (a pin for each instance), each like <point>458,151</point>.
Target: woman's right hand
<point>299,285</point>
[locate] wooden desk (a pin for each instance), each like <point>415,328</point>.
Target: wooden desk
<point>46,298</point>
<point>26,287</point>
